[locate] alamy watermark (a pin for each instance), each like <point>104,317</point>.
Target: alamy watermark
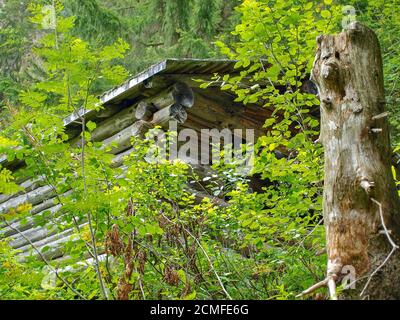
<point>49,20</point>
<point>348,277</point>
<point>203,147</point>
<point>349,16</point>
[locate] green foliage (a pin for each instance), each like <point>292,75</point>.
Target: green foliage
<point>15,32</point>
<point>95,22</point>
<point>179,249</point>
<point>7,184</point>
<point>383,17</point>
<point>17,280</point>
<point>155,28</point>
<point>275,53</point>
<point>171,248</point>
<point>155,239</point>
<point>72,68</point>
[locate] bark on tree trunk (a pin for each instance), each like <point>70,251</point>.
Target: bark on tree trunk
<point>359,190</point>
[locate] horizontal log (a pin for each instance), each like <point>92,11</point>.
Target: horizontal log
<point>33,235</point>
<point>56,250</point>
<point>37,209</point>
<point>49,204</point>
<point>22,227</point>
<point>86,259</point>
<point>113,125</point>
<point>177,96</point>
<point>38,234</point>
<point>107,111</point>
<point>179,93</point>
<point>217,111</point>
<point>33,197</point>
<point>109,127</point>
<point>119,158</point>
<point>50,240</point>
<point>173,112</point>
<point>145,111</point>
<point>122,140</point>
<point>27,185</point>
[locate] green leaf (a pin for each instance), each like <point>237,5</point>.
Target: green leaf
<point>259,29</point>
<point>91,125</point>
<point>326,14</point>
<point>269,122</point>
<point>190,296</point>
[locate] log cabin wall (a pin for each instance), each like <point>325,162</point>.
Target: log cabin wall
<point>165,91</point>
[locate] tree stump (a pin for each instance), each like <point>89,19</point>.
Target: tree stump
<point>359,189</point>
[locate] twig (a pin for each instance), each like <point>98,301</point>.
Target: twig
<point>89,215</point>
<point>329,281</point>
<point>313,229</point>
<point>206,255</point>
<point>314,287</point>
<point>381,115</point>
<point>141,287</point>
<point>394,246</point>
<point>55,27</point>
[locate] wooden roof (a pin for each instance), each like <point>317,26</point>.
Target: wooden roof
<point>213,108</point>
<point>189,68</point>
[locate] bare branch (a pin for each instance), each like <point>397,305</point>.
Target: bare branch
<point>314,287</point>
<point>394,246</point>
<point>206,255</point>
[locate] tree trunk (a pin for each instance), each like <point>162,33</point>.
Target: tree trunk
<point>359,190</point>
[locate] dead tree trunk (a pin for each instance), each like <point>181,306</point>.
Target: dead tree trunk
<point>361,203</point>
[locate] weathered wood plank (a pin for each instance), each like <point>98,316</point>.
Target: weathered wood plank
<point>174,112</point>
<point>27,225</point>
<point>122,140</point>
<point>179,94</point>
<point>27,186</point>
<point>38,195</point>
<point>50,240</point>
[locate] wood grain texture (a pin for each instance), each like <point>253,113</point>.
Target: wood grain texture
<point>348,72</point>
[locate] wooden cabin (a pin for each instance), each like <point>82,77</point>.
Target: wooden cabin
<point>167,90</point>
